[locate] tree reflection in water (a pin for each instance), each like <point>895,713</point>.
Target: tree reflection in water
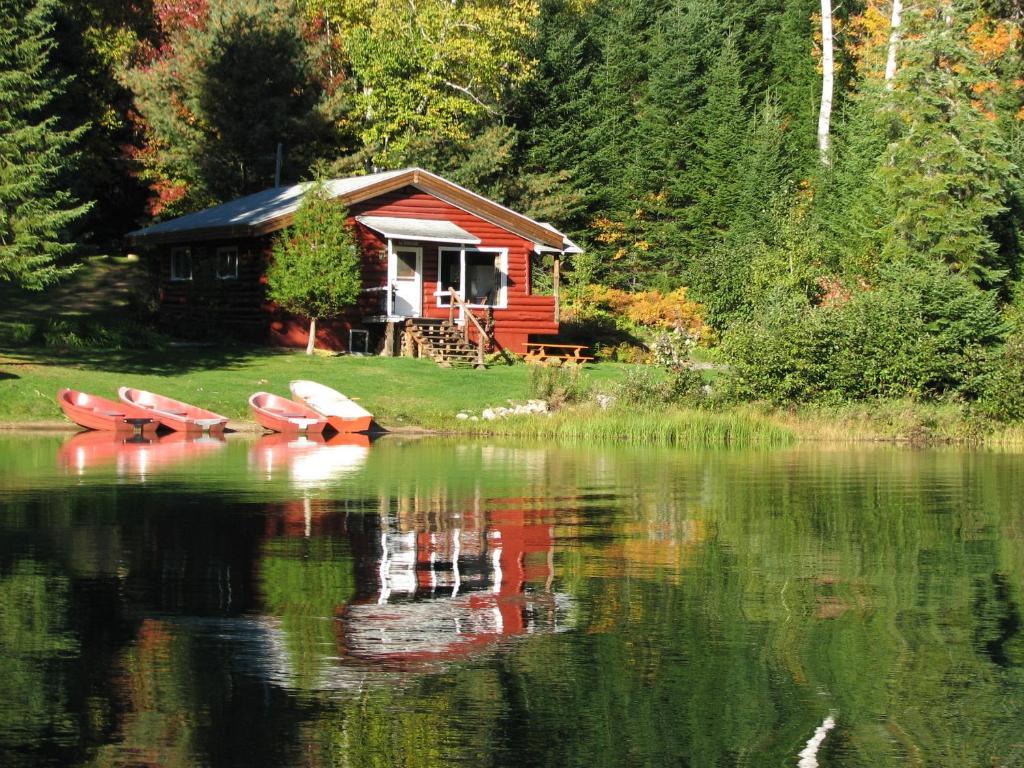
<point>436,603</point>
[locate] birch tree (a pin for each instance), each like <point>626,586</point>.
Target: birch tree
<point>894,41</point>
<point>827,78</point>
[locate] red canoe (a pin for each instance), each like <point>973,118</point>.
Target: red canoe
<point>279,414</point>
<point>94,412</point>
<point>174,414</point>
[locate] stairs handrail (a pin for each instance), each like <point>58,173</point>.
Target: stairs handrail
<point>483,337</point>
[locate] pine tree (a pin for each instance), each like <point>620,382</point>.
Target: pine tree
<point>226,85</point>
<point>315,270</point>
<point>36,153</point>
<point>945,173</point>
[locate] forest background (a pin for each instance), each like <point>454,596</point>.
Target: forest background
<point>870,250</point>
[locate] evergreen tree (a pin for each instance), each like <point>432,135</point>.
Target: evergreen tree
<point>36,153</point>
<point>315,270</point>
<point>227,83</point>
<point>945,173</point>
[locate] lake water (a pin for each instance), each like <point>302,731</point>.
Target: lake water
<point>429,603</point>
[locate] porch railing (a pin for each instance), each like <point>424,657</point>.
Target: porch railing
<point>483,335</point>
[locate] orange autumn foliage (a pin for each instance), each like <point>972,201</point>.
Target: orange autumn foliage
<point>650,309</point>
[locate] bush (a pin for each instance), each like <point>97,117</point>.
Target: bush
<point>1001,386</point>
<point>647,386</point>
<point>66,334</point>
<point>558,385</point>
<point>917,334</point>
<point>16,334</point>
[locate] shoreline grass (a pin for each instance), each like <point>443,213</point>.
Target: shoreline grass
<point>408,394</point>
<point>671,427</point>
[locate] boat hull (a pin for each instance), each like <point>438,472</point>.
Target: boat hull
<point>99,413</point>
<point>174,414</point>
<point>278,414</point>
<point>343,425</point>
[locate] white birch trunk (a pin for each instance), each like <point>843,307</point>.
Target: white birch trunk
<point>311,344</point>
<point>894,41</point>
<point>827,76</point>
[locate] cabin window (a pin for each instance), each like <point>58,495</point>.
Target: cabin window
<point>405,264</point>
<point>181,264</point>
<point>227,263</point>
<point>479,275</point>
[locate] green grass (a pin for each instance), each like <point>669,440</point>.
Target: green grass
<point>399,391</point>
<point>669,427</point>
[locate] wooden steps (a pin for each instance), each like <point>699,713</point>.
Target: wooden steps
<point>443,342</point>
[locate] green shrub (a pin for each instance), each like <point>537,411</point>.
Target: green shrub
<point>917,333</point>
<point>1001,385</point>
<point>66,334</point>
<point>16,334</point>
<point>648,386</point>
<point>558,385</point>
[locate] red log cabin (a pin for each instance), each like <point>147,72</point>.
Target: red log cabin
<point>422,236</point>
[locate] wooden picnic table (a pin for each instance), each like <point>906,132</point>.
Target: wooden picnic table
<point>543,352</point>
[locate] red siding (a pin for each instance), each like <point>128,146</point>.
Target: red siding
<point>524,314</point>
<point>208,305</point>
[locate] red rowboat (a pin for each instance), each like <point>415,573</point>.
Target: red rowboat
<point>94,412</point>
<point>174,414</point>
<point>341,412</point>
<point>279,414</point>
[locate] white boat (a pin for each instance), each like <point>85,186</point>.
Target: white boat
<point>341,412</point>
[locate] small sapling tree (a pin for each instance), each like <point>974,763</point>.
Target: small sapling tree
<point>315,267</point>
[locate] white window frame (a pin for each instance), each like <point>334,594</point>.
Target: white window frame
<point>175,254</point>
<point>462,250</point>
<point>224,251</point>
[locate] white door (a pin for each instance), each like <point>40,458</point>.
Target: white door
<point>406,275</point>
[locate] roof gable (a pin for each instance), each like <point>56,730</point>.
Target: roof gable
<point>273,209</point>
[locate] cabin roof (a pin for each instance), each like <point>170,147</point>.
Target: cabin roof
<point>273,209</point>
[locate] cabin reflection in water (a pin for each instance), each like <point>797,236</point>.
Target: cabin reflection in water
<point>446,592</point>
<point>436,581</point>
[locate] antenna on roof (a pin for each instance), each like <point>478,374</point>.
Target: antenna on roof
<point>277,164</point>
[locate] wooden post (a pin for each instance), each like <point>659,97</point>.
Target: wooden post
<point>556,282</point>
<point>389,340</point>
<point>408,342</point>
<point>451,306</point>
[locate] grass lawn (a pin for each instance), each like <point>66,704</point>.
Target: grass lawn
<point>399,391</point>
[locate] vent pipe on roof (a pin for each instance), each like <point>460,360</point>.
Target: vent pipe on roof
<point>277,164</point>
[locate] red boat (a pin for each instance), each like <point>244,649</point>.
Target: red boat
<point>279,414</point>
<point>341,412</point>
<point>174,414</point>
<point>94,412</point>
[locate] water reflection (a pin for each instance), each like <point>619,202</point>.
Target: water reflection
<point>310,461</point>
<point>437,603</point>
<point>133,456</point>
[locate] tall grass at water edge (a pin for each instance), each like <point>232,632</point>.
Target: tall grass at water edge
<point>671,427</point>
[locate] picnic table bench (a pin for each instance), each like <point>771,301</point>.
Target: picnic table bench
<point>543,352</point>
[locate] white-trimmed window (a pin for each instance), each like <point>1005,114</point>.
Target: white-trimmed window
<point>181,264</point>
<point>480,275</point>
<point>227,263</point>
